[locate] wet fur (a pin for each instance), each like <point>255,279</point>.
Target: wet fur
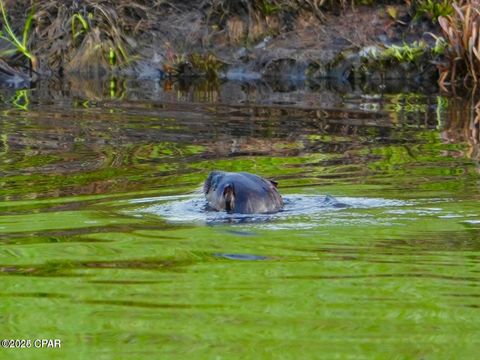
<point>241,192</point>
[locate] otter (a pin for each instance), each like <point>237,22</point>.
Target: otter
<point>242,193</point>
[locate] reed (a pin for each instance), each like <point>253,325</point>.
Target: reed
<point>461,30</point>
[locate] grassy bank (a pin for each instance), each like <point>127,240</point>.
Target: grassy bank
<point>178,37</point>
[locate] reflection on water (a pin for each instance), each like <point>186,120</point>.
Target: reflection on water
<point>105,242</point>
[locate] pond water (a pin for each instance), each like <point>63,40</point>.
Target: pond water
<point>105,243</point>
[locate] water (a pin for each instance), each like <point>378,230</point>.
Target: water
<point>106,243</point>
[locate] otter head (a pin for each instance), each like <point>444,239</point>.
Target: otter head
<point>241,192</point>
<point>219,194</point>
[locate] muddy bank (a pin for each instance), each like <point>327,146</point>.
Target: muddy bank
<point>342,46</point>
<point>235,40</point>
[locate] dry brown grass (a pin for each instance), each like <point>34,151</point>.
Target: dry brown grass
<point>96,36</point>
<point>249,20</point>
<point>91,35</point>
<point>461,30</point>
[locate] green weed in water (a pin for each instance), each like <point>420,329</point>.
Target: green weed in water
<point>117,88</point>
<point>441,109</point>
<point>407,103</point>
<point>20,100</point>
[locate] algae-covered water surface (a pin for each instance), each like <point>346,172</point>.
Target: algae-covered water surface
<point>105,242</point>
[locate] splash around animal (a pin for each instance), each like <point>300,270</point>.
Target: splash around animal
<point>241,193</point>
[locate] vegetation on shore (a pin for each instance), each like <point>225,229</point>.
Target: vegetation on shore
<point>101,36</point>
<point>18,46</point>
<point>461,30</point>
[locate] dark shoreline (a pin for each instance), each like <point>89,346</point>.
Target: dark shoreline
<point>193,41</point>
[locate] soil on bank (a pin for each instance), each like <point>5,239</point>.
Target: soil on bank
<point>237,40</point>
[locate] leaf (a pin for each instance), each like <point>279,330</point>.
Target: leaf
<point>26,28</point>
<point>458,11</point>
<point>392,12</point>
<point>444,24</point>
<point>473,38</point>
<point>477,53</point>
<point>466,26</point>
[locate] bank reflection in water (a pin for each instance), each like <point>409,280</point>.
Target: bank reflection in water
<point>84,129</point>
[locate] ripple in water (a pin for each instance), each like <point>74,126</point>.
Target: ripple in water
<point>307,208</point>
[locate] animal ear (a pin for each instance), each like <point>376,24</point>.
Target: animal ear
<point>211,181</point>
<point>228,190</point>
<point>229,196</point>
<point>274,183</point>
<point>208,183</point>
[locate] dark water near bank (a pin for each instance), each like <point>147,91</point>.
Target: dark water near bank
<point>105,244</point>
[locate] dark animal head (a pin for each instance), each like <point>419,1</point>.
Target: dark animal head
<point>241,193</point>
